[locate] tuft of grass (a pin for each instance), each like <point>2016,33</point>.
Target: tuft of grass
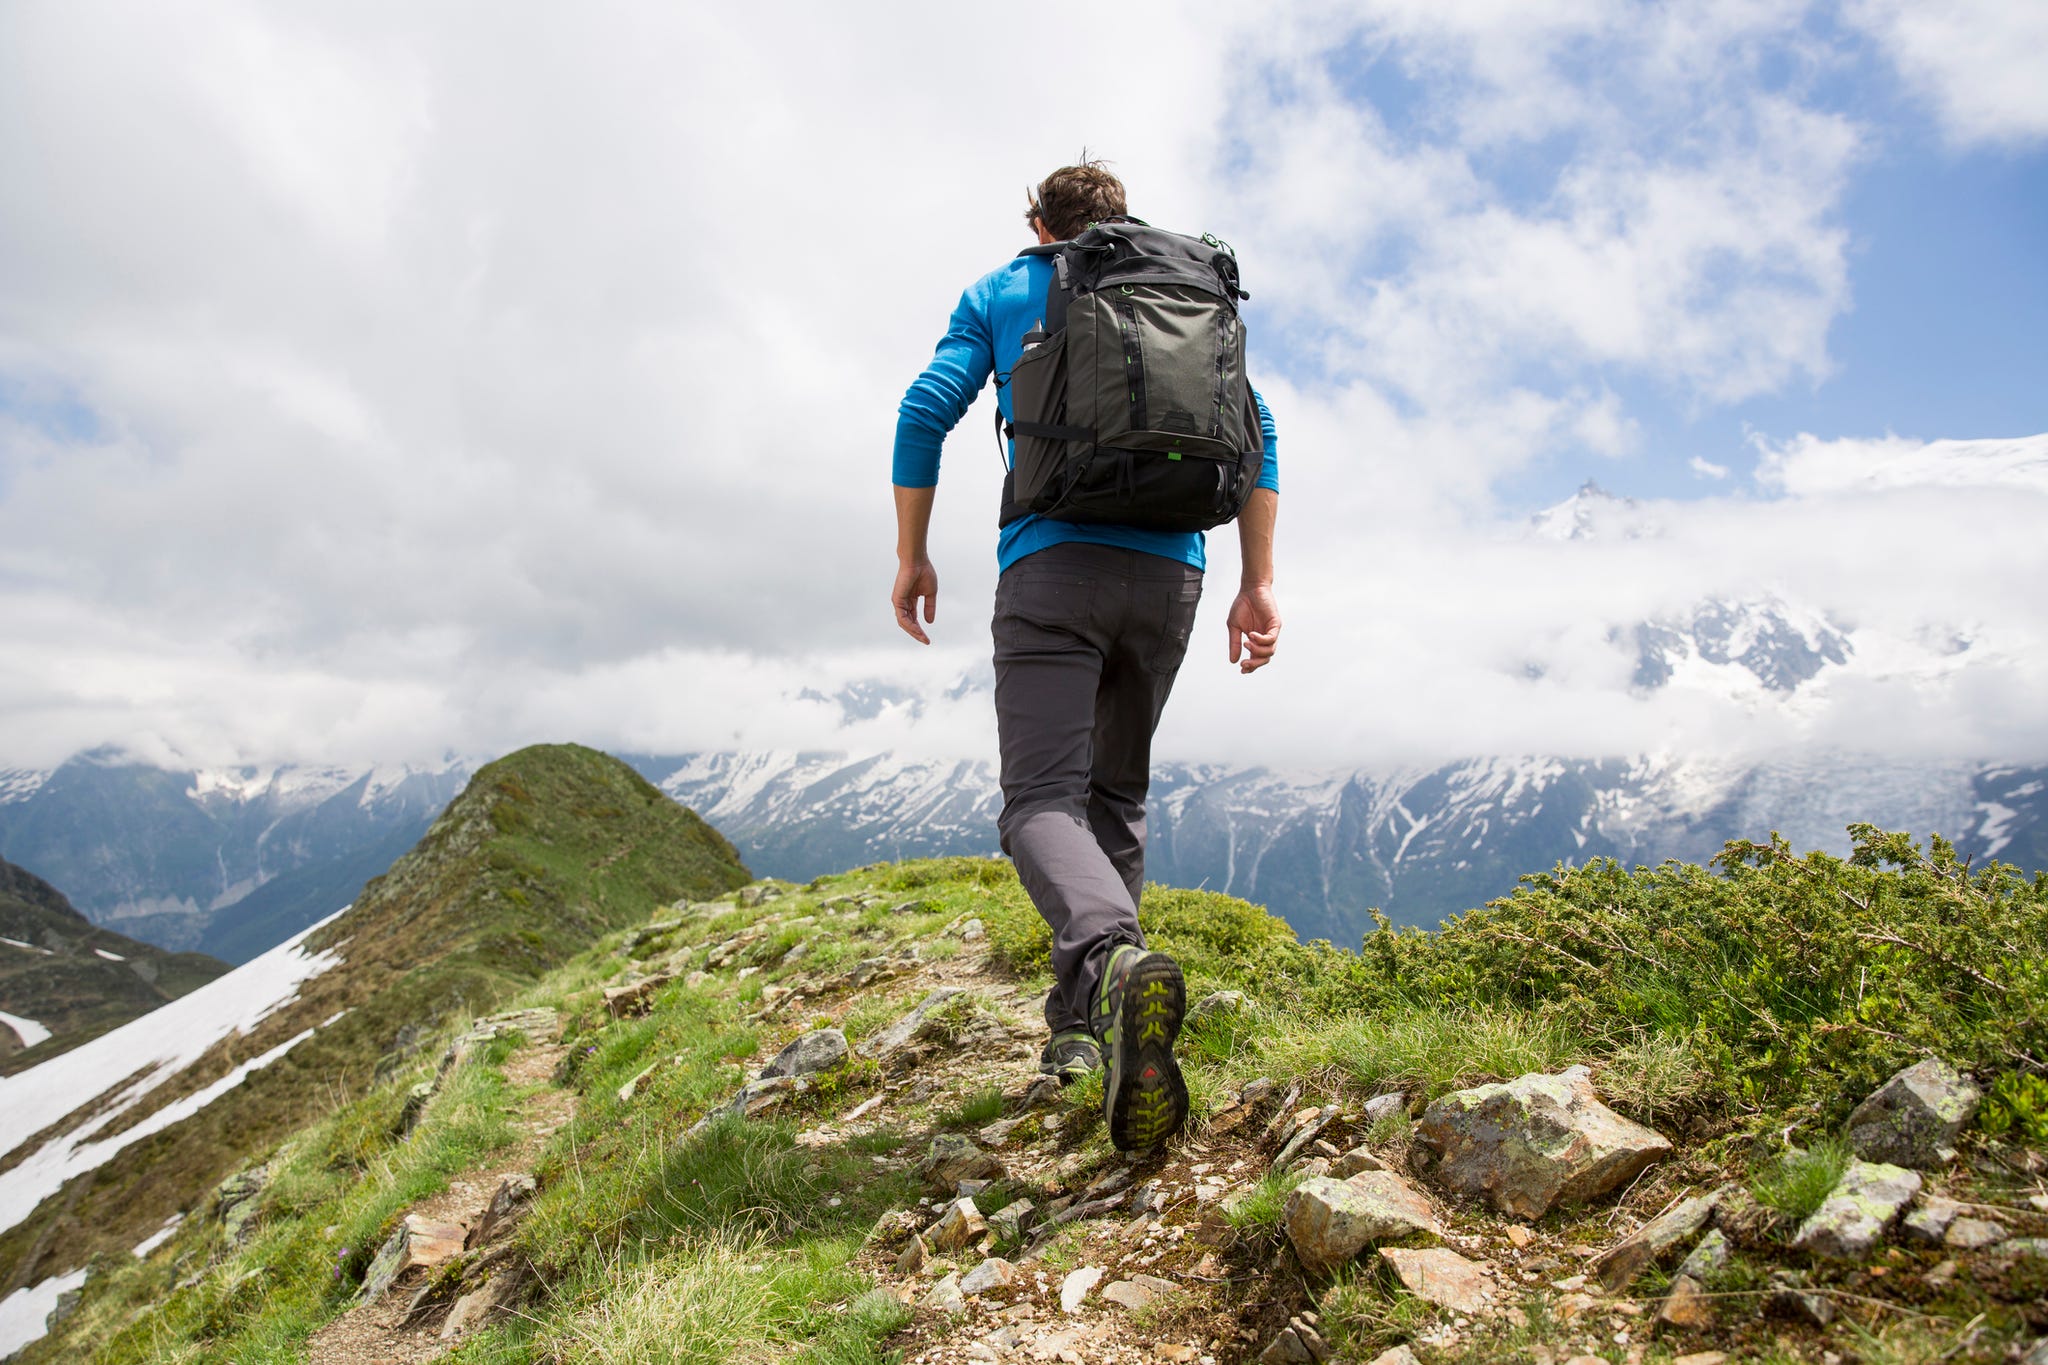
<point>983,1106</point>
<point>1654,1075</point>
<point>1800,1181</point>
<point>1434,1047</point>
<point>1259,1208</point>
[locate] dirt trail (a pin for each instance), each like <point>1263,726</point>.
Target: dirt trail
<point>377,1333</point>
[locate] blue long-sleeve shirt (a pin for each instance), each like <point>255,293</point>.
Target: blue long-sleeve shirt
<point>987,328</point>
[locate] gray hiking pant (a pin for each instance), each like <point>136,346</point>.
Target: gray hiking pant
<point>1087,641</point>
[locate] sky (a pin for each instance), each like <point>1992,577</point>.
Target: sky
<point>382,381</point>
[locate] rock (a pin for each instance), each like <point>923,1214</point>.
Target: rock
<point>1012,1220</point>
<point>493,1300</point>
<point>1286,1349</point>
<point>1927,1222</point>
<point>539,1025</point>
<point>953,1159</point>
<point>1174,1352</point>
<point>1535,1142</point>
<point>1356,1160</point>
<point>1791,1298</point>
<point>1913,1119</point>
<point>1329,1221</point>
<point>1385,1106</point>
<point>903,1030</point>
<point>993,1273</point>
<point>415,1109</point>
<point>1939,1277</point>
<point>237,1196</point>
<point>1140,1291</point>
<point>1619,1265</point>
<point>1702,1358</point>
<point>1074,1288</point>
<point>1973,1234</point>
<point>696,979</point>
<point>1848,1224</point>
<point>2033,1248</point>
<point>1255,1091</point>
<point>1710,1256</point>
<point>1303,1135</point>
<point>958,1226</point>
<point>2037,1354</point>
<point>1686,1306</point>
<point>755,1097</point>
<point>912,1259</point>
<point>1215,1005</point>
<point>945,1296</point>
<point>1303,1327</point>
<point>1441,1276</point>
<point>974,931</point>
<point>1399,1355</point>
<point>507,1205</point>
<point>819,1050</point>
<point>417,1241</point>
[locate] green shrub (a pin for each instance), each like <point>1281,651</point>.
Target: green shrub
<point>2017,1105</point>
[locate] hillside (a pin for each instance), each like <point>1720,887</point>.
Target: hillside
<point>544,851</point>
<point>67,981</point>
<point>1372,1172</point>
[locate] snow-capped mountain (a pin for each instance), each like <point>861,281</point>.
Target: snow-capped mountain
<point>229,861</point>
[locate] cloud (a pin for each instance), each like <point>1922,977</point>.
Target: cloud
<point>384,381</point>
<point>1978,62</point>
<point>1706,468</point>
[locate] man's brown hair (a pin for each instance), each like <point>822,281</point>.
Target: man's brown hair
<point>1072,197</point>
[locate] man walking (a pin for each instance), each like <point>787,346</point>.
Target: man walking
<point>1091,623</point>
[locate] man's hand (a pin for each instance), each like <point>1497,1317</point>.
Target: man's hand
<point>916,580</point>
<point>1254,623</point>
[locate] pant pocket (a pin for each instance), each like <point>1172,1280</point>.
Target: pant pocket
<point>1178,627</point>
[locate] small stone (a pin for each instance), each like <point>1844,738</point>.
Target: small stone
<point>2037,1354</point>
<point>953,1159</point>
<point>1620,1264</point>
<point>1254,1091</point>
<point>1928,1221</point>
<point>1791,1298</point>
<point>1442,1277</point>
<point>1174,1352</point>
<point>1286,1349</point>
<point>961,1224</point>
<point>1708,1257</point>
<point>1703,1358</point>
<point>507,1205</point>
<point>1847,1225</point>
<point>890,1039</point>
<point>1330,1221</point>
<point>1385,1106</point>
<point>1011,1221</point>
<point>1075,1287</point>
<point>914,1256</point>
<point>632,1087</point>
<point>1215,1005</point>
<point>819,1050</point>
<point>1356,1160</point>
<point>1973,1234</point>
<point>1129,1294</point>
<point>1401,1355</point>
<point>1519,1235</point>
<point>1913,1118</point>
<point>417,1241</point>
<point>973,931</point>
<point>945,1296</point>
<point>993,1273</point>
<point>1535,1142</point>
<point>1941,1274</point>
<point>1686,1306</point>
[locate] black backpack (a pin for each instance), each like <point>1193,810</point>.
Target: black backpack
<point>1130,403</point>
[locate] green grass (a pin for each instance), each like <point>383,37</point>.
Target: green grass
<point>1259,1208</point>
<point>982,1107</point>
<point>1798,1182</point>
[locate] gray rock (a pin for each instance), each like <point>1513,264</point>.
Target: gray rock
<point>1913,1119</point>
<point>1535,1142</point>
<point>415,1109</point>
<point>1254,1091</point>
<point>960,1225</point>
<point>1791,1298</point>
<point>1286,1349</point>
<point>417,1241</point>
<point>913,1257</point>
<point>993,1273</point>
<point>946,1297</point>
<point>1140,1291</point>
<point>1441,1276</point>
<point>1356,1160</point>
<point>2037,1354</point>
<point>953,1159</point>
<point>508,1204</point>
<point>1074,1288</point>
<point>1385,1106</point>
<point>1302,1137</point>
<point>819,1050</point>
<point>1928,1221</point>
<point>1973,1234</point>
<point>1012,1220</point>
<point>237,1196</point>
<point>1215,1005</point>
<point>1619,1265</point>
<point>755,1097</point>
<point>1849,1223</point>
<point>1397,1355</point>
<point>1708,1257</point>
<point>903,1030</point>
<point>1330,1221</point>
<point>2033,1248</point>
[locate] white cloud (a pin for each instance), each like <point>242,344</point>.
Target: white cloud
<point>1706,468</point>
<point>404,383</point>
<point>1977,61</point>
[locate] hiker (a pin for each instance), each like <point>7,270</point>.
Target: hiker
<point>1101,568</point>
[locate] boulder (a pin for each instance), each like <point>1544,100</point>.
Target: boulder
<point>1619,1265</point>
<point>1847,1225</point>
<point>1535,1142</point>
<point>1913,1119</point>
<point>1329,1221</point>
<point>819,1050</point>
<point>417,1241</point>
<point>881,1044</point>
<point>1442,1277</point>
<point>953,1159</point>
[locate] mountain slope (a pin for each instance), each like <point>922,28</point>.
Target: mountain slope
<point>65,981</point>
<point>543,852</point>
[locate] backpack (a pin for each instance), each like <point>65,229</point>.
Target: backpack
<point>1130,404</point>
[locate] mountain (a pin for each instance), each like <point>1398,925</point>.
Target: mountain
<point>542,852</point>
<point>228,861</point>
<point>64,981</point>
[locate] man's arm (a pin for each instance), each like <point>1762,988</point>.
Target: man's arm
<point>1254,618</point>
<point>915,576</point>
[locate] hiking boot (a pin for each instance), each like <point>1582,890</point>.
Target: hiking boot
<point>1069,1056</point>
<point>1137,1016</point>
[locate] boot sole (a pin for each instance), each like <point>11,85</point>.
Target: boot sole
<point>1144,1096</point>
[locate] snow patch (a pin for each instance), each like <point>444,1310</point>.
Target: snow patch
<point>28,1030</point>
<point>111,957</point>
<point>23,1313</point>
<point>19,784</point>
<point>17,943</point>
<point>159,1237</point>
